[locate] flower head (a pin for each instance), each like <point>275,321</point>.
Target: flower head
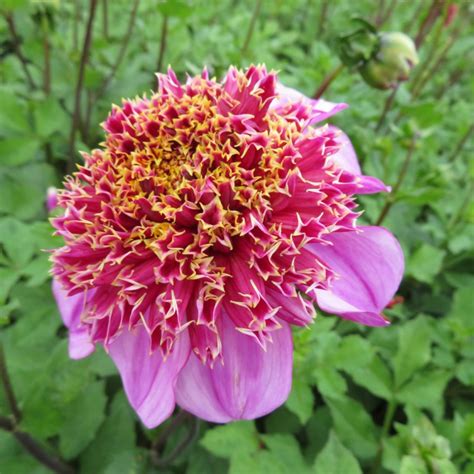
<point>212,218</point>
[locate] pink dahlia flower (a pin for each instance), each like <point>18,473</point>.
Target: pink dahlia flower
<point>214,217</point>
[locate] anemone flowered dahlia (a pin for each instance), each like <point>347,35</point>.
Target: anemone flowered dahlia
<point>214,217</point>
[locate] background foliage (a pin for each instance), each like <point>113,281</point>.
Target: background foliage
<point>398,399</point>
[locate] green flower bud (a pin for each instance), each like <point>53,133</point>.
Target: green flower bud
<point>392,63</point>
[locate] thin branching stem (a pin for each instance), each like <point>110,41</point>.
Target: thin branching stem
<point>428,22</point>
<point>323,17</point>
<point>391,198</point>
<point>251,28</point>
<point>76,117</point>
<point>18,49</point>
<point>10,425</point>
<point>163,43</point>
<point>327,81</point>
<point>190,437</point>
<point>386,109</point>
<point>7,387</point>
<point>461,144</point>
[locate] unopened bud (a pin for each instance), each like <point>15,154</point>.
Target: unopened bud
<point>51,199</point>
<point>392,63</point>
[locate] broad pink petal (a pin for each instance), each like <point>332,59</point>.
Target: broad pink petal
<point>346,158</point>
<point>70,309</point>
<point>369,265</point>
<point>250,383</point>
<point>148,379</point>
<point>322,109</point>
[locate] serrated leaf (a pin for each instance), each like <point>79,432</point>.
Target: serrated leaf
<point>301,400</point>
<point>375,377</point>
<point>353,426</point>
<point>414,349</point>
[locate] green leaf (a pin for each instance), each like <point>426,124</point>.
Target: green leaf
<point>335,458</point>
<point>13,113</point>
<point>301,400</point>
<point>353,352</point>
<point>286,450</point>
<point>425,390</point>
<point>8,278</point>
<point>462,310</point>
<point>353,426</point>
<point>375,377</point>
<point>414,349</point>
<point>425,263</point>
<point>413,465</point>
<point>18,150</point>
<point>15,237</point>
<point>116,435</point>
<point>82,418</point>
<point>239,437</point>
<point>49,117</point>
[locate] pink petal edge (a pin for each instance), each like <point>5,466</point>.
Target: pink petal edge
<point>369,265</point>
<point>250,383</point>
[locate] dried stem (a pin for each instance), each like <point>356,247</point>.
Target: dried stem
<point>386,109</point>
<point>401,177</point>
<point>76,117</point>
<point>327,81</point>
<point>163,43</point>
<point>18,49</point>
<point>253,21</point>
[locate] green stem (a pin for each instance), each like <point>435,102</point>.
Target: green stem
<point>253,21</point>
<point>387,423</point>
<point>179,448</point>
<point>7,386</point>
<point>327,81</point>
<point>391,198</point>
<point>386,108</point>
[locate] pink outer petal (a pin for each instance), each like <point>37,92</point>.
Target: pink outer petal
<point>346,159</point>
<point>148,379</point>
<point>71,308</point>
<point>370,267</point>
<point>322,109</point>
<point>250,383</point>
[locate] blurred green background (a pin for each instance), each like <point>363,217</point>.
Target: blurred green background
<point>398,399</point>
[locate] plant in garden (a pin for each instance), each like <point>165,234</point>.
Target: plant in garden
<point>214,217</point>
